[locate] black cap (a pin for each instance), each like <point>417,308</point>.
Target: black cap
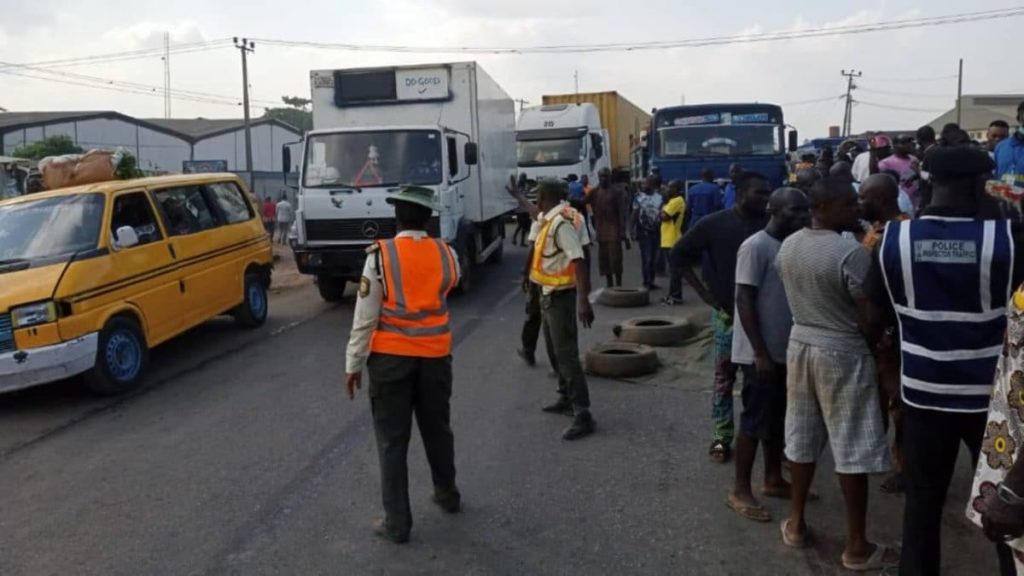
<point>951,162</point>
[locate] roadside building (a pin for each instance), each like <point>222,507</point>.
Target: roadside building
<point>979,110</point>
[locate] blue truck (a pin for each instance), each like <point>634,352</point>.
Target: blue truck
<point>684,140</point>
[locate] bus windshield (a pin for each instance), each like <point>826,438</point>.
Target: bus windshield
<point>49,228</point>
<point>720,140</point>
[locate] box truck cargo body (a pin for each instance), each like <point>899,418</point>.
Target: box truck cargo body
<point>446,127</point>
<point>621,118</point>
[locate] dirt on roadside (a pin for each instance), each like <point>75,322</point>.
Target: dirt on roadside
<point>286,274</point>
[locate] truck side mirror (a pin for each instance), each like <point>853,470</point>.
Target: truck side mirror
<point>471,153</point>
<point>792,141</point>
<point>286,159</point>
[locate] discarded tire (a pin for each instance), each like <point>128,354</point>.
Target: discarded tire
<point>655,330</point>
<point>624,297</point>
<point>621,360</point>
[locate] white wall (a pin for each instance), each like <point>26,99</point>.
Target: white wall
<point>267,140</point>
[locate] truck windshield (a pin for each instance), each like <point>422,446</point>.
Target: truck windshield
<point>382,158</point>
<point>50,227</point>
<point>748,139</point>
<point>562,152</point>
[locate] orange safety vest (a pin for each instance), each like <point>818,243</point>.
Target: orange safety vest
<point>554,278</point>
<point>418,274</point>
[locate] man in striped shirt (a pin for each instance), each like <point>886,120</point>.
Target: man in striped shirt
<point>948,277</point>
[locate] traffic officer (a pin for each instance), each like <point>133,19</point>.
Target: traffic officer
<point>559,265</point>
<point>400,333</point>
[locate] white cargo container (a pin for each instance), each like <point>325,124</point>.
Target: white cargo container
<point>447,127</point>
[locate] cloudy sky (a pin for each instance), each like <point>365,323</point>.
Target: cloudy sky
<point>909,75</point>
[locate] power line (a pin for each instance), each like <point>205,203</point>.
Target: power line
<point>665,44</point>
<point>910,94</point>
<point>88,80</point>
<point>900,108</point>
<point>182,48</point>
<point>915,80</point>
<point>813,101</point>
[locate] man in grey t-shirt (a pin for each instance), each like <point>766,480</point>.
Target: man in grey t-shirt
<point>759,348</point>
<point>832,383</point>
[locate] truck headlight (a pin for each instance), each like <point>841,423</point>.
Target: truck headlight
<point>34,314</point>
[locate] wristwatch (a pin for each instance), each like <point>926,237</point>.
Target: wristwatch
<point>1008,496</point>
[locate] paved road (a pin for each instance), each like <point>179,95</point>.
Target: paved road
<point>243,456</point>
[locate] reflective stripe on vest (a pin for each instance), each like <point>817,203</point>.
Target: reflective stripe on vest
<point>949,280</point>
<point>418,275</point>
<point>553,278</point>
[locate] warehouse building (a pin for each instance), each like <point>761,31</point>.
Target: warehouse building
<point>165,145</point>
<point>979,110</point>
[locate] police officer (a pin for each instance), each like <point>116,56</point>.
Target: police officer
<point>559,265</point>
<point>400,333</point>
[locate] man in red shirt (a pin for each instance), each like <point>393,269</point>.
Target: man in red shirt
<point>269,214</point>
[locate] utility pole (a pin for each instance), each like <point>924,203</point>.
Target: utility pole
<point>576,80</point>
<point>167,75</point>
<point>850,87</point>
<point>959,91</point>
<point>245,46</point>
<point>522,103</point>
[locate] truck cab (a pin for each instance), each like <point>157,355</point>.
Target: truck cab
<point>555,140</point>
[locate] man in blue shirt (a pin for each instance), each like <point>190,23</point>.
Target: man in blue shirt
<point>730,190</point>
<point>703,198</point>
<point>1009,156</point>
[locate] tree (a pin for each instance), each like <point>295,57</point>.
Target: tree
<point>295,112</point>
<point>50,146</point>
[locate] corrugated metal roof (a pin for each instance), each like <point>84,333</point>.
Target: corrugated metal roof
<point>11,119</point>
<point>199,127</point>
<point>189,129</point>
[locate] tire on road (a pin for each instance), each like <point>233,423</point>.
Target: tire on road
<point>121,357</point>
<point>621,360</point>
<point>332,288</point>
<point>252,312</point>
<point>624,297</point>
<point>655,330</point>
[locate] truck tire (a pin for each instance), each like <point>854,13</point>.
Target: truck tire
<point>498,255</point>
<point>624,297</point>
<point>252,312</point>
<point>654,330</point>
<point>121,357</point>
<point>332,288</point>
<point>621,360</point>
<point>466,254</point>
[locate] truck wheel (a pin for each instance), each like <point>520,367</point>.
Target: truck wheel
<point>654,330</point>
<point>619,297</point>
<point>121,357</point>
<point>621,360</point>
<point>332,288</point>
<point>252,312</point>
<point>465,255</point>
<point>497,256</point>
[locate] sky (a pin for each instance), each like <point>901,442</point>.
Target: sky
<point>912,70</point>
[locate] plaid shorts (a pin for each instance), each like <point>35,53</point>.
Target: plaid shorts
<point>832,398</point>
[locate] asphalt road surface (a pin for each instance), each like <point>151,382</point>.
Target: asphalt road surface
<point>242,455</point>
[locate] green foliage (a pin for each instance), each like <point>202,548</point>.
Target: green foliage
<point>51,146</point>
<point>128,168</point>
<point>295,112</point>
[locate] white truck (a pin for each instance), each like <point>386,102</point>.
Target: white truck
<point>447,127</point>
<point>556,140</point>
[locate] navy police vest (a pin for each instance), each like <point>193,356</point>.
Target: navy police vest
<point>950,281</point>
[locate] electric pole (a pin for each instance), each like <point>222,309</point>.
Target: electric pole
<point>848,113</point>
<point>959,90</point>
<point>167,75</point>
<point>245,46</point>
<point>522,103</point>
<point>576,80</point>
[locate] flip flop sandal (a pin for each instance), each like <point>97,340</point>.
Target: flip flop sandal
<point>811,496</point>
<point>757,513</point>
<point>894,484</point>
<point>792,542</point>
<point>719,452</point>
<point>875,562</point>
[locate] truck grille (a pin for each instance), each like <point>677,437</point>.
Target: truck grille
<point>358,229</point>
<point>6,334</point>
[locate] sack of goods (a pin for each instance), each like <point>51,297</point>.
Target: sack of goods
<point>78,169</point>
